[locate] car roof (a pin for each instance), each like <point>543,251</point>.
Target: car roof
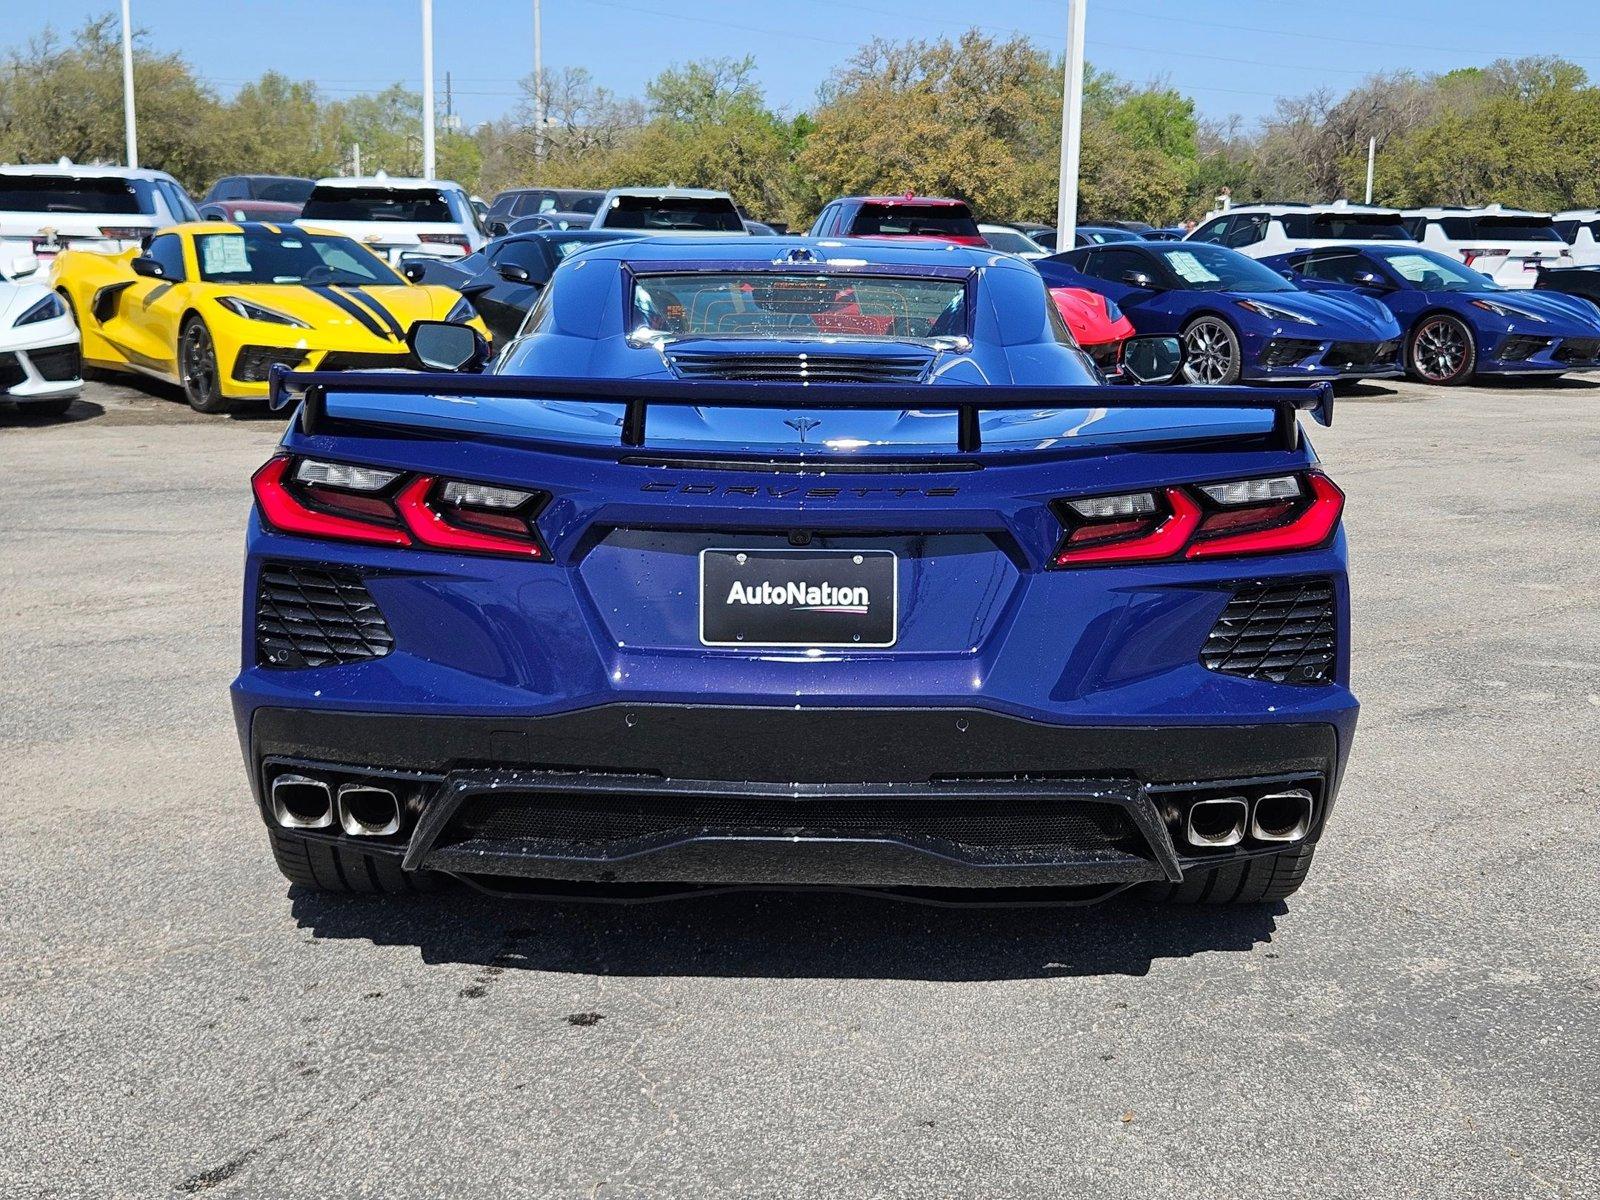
<point>691,193</point>
<point>69,168</point>
<point>909,199</point>
<point>1484,210</point>
<point>381,180</point>
<point>744,248</point>
<point>1278,208</point>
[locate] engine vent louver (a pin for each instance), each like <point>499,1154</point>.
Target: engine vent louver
<point>800,367</point>
<point>316,617</point>
<point>1281,632</point>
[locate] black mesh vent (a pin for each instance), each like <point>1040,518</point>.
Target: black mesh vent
<point>1282,632</point>
<point>1520,346</point>
<point>353,360</point>
<point>254,362</point>
<point>1360,354</point>
<point>1283,352</point>
<point>57,363</point>
<point>316,617</point>
<point>1578,350</point>
<point>11,372</point>
<point>605,821</point>
<point>805,367</point>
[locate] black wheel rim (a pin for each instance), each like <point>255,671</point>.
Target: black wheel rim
<point>1440,350</point>
<point>199,364</point>
<point>1208,352</point>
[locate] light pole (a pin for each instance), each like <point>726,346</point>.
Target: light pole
<point>427,89</point>
<point>1071,126</point>
<point>129,121</point>
<point>1372,155</point>
<point>538,83</point>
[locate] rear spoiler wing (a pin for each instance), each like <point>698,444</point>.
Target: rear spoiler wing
<point>637,396</point>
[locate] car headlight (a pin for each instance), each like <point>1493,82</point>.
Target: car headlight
<point>46,310</point>
<point>1272,312</point>
<point>461,311</point>
<point>1506,310</point>
<point>252,311</point>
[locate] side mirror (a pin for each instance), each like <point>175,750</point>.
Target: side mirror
<point>148,267</point>
<point>1138,279</point>
<point>446,346</point>
<point>1288,274</point>
<point>414,271</point>
<point>1368,279</point>
<point>1152,359</point>
<point>512,273</point>
<point>24,264</point>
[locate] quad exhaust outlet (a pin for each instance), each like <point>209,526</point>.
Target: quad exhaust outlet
<point>368,811</point>
<point>1217,823</point>
<point>1281,816</point>
<point>300,802</point>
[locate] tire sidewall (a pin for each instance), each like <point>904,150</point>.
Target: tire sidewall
<point>216,402</point>
<point>1234,343</point>
<point>1469,364</point>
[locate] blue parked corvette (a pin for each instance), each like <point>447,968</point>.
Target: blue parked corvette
<point>1239,321</point>
<point>1458,323</point>
<point>781,561</point>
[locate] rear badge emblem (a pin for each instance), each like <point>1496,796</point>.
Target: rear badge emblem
<point>802,425</point>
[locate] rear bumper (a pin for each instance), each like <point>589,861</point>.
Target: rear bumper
<point>855,797</point>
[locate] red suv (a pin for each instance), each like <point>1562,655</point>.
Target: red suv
<point>899,216</point>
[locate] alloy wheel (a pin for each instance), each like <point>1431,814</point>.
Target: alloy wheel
<point>199,366</point>
<point>1208,352</point>
<point>1440,350</point>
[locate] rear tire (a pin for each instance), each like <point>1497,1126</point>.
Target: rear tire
<point>1254,881</point>
<point>324,867</point>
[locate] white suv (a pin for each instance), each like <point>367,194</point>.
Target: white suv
<point>1265,230</point>
<point>1580,229</point>
<point>397,218</point>
<point>657,212</point>
<point>45,209</point>
<point>1509,245</point>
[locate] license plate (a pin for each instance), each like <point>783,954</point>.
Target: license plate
<point>798,597</point>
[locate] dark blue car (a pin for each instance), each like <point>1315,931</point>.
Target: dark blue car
<point>1239,321</point>
<point>1457,323</point>
<point>783,561</point>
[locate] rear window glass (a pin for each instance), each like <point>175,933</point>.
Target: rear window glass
<point>775,304</point>
<point>284,191</point>
<point>65,194</point>
<point>418,205</point>
<point>666,213</point>
<point>1336,227</point>
<point>914,220</point>
<point>1517,229</point>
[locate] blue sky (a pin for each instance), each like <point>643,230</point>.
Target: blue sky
<point>1232,58</point>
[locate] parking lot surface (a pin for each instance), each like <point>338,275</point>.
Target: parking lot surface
<point>1422,1020</point>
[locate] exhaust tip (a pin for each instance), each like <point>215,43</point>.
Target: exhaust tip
<point>1281,816</point>
<point>301,802</point>
<point>1216,823</point>
<point>367,811</point>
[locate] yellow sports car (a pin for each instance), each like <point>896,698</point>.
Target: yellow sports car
<point>212,305</point>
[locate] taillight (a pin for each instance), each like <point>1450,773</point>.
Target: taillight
<point>123,233</point>
<point>352,503</point>
<point>445,239</point>
<point>314,507</point>
<point>1268,515</point>
<point>471,517</point>
<point>1470,255</point>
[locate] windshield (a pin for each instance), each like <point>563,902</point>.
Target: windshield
<point>772,304</point>
<point>1338,227</point>
<point>284,191</point>
<point>1434,272</point>
<point>1010,241</point>
<point>66,194</point>
<point>423,206</point>
<point>1206,268</point>
<point>293,256</point>
<point>710,214</point>
<point>914,220</point>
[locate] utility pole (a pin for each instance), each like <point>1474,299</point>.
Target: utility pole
<point>355,151</point>
<point>1372,156</point>
<point>538,82</point>
<point>129,121</point>
<point>449,103</point>
<point>427,89</point>
<point>1071,126</point>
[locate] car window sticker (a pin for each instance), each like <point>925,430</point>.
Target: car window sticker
<point>1190,269</point>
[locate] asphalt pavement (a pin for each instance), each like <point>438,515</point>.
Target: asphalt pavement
<point>1422,1020</point>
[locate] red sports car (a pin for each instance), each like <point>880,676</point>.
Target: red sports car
<point>1096,322</point>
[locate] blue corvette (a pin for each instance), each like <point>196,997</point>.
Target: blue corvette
<point>1239,321</point>
<point>776,561</point>
<point>1458,323</point>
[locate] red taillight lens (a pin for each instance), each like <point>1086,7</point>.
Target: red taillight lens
<point>1142,538</point>
<point>1277,526</point>
<point>124,233</point>
<point>1252,516</point>
<point>472,518</point>
<point>444,239</point>
<point>323,512</point>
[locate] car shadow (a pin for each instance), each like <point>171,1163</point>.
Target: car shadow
<point>1575,383</point>
<point>25,416</point>
<point>787,935</point>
